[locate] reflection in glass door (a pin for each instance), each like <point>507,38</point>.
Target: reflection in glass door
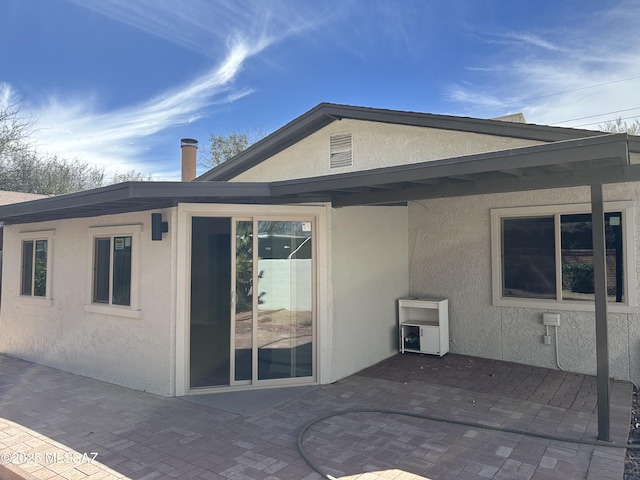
<point>243,318</point>
<point>285,300</point>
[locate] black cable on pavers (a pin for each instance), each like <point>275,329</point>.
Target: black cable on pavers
<point>303,454</point>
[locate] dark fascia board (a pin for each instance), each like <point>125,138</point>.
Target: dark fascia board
<point>539,181</point>
<point>145,195</point>
<point>578,150</point>
<point>325,113</point>
<point>138,190</point>
<point>291,133</point>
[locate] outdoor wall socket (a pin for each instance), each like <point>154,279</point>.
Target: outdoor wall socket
<point>551,319</point>
<point>546,339</point>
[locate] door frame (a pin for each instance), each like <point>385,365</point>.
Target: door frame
<point>322,336</point>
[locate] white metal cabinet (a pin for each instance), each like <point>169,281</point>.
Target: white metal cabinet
<point>424,325</point>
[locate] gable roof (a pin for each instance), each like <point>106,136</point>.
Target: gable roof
<point>326,113</point>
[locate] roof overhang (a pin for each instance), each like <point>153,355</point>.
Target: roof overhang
<point>569,163</point>
<point>131,197</point>
<point>583,161</point>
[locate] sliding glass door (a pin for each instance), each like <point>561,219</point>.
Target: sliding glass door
<point>252,302</point>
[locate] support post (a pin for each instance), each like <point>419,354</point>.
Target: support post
<point>600,289</point>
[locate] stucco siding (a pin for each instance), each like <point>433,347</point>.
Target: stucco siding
<point>134,352</point>
<point>374,145</point>
<point>450,256</point>
<point>633,323</point>
<point>369,273</point>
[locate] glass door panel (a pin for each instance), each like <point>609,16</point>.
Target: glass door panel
<point>284,331</point>
<point>243,319</point>
<point>210,322</point>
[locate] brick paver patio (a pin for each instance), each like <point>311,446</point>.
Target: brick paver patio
<point>50,419</point>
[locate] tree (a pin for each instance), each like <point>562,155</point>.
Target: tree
<point>223,147</point>
<point>13,131</point>
<point>131,176</point>
<point>24,169</point>
<point>28,171</point>
<point>620,126</point>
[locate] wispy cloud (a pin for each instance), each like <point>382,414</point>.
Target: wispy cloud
<point>109,138</point>
<point>206,26</point>
<point>525,40</point>
<point>227,32</point>
<point>473,98</point>
<point>6,95</point>
<point>588,68</point>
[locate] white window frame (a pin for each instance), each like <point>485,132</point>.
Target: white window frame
<point>35,236</point>
<point>628,249</point>
<point>133,231</point>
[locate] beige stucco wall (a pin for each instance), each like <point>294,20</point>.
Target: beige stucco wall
<point>369,273</point>
<point>135,352</point>
<point>450,256</point>
<point>374,145</point>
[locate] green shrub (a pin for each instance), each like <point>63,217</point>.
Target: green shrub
<point>578,277</point>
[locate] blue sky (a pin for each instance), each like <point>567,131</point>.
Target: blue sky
<point>117,83</point>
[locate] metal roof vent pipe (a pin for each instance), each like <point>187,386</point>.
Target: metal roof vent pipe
<point>189,148</point>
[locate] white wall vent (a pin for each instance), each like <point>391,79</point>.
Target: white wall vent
<point>341,151</point>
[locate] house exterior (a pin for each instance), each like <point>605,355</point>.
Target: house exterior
<point>283,266</point>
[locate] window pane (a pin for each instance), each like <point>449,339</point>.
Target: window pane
<point>528,257</point>
<point>101,270</point>
<point>40,277</point>
<point>121,271</point>
<point>285,298</point>
<point>244,300</point>
<point>27,268</point>
<point>210,319</point>
<point>577,257</point>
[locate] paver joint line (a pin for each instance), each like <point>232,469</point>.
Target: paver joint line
<point>145,436</point>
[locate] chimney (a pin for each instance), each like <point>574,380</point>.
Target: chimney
<point>189,147</point>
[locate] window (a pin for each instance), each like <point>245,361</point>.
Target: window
<point>35,266</point>
<point>545,255</point>
<point>528,257</point>
<point>114,272</point>
<point>33,278</point>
